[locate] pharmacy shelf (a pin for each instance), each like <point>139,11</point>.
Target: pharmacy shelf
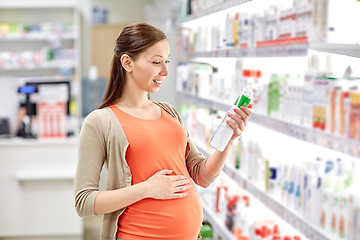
<point>290,49</point>
<point>340,144</point>
<point>203,101</point>
<point>291,217</point>
<point>38,4</point>
<point>38,36</point>
<point>219,227</point>
<point>297,46</point>
<point>280,51</point>
<point>213,9</point>
<point>352,50</point>
<point>48,65</point>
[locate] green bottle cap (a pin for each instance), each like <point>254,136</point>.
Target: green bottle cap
<point>206,231</point>
<point>242,101</point>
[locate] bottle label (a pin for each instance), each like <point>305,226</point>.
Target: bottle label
<point>244,101</point>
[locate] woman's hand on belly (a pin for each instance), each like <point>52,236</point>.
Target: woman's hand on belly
<point>162,185</point>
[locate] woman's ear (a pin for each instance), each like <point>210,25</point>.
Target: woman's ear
<point>126,62</point>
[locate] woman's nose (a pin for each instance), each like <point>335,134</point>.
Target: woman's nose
<point>164,70</point>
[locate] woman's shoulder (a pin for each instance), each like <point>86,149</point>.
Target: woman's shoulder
<point>98,116</point>
<point>171,110</point>
<point>104,122</point>
<point>100,112</point>
<point>168,107</point>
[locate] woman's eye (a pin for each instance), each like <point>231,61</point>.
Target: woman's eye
<point>158,62</point>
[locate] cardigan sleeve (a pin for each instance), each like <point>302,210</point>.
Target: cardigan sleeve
<point>91,157</point>
<point>195,160</point>
<point>196,165</point>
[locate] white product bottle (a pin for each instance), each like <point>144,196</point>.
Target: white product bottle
<point>224,132</point>
<point>308,93</point>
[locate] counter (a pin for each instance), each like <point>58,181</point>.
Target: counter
<point>36,185</point>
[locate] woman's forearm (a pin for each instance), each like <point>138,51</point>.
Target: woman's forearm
<point>111,201</point>
<point>217,160</point>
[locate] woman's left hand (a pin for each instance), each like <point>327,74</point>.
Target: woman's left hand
<point>240,118</point>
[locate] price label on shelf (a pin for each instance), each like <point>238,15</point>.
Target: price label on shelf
<point>241,180</point>
<point>233,175</point>
<point>244,185</point>
<point>353,149</point>
<point>301,227</point>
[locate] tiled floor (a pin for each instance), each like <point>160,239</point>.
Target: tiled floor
<point>92,227</point>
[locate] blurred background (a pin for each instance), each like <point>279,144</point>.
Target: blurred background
<point>292,175</point>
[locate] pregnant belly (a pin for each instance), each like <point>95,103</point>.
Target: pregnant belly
<point>162,219</point>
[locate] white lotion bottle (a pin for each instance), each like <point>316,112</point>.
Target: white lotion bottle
<point>224,132</point>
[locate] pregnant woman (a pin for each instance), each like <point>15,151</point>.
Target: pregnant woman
<point>151,161</point>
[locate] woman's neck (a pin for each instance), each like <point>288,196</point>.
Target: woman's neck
<point>133,96</point>
<point>134,100</point>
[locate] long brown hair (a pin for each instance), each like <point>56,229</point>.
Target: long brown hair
<point>133,40</point>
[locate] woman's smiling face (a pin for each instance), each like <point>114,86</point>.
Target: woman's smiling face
<point>151,67</point>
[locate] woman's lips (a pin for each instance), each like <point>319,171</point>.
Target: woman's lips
<point>158,83</point>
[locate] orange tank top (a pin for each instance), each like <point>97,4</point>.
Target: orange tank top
<point>155,145</point>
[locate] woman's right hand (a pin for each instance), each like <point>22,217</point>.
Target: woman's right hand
<point>162,185</point>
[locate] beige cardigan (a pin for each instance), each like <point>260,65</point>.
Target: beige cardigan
<point>102,141</point>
